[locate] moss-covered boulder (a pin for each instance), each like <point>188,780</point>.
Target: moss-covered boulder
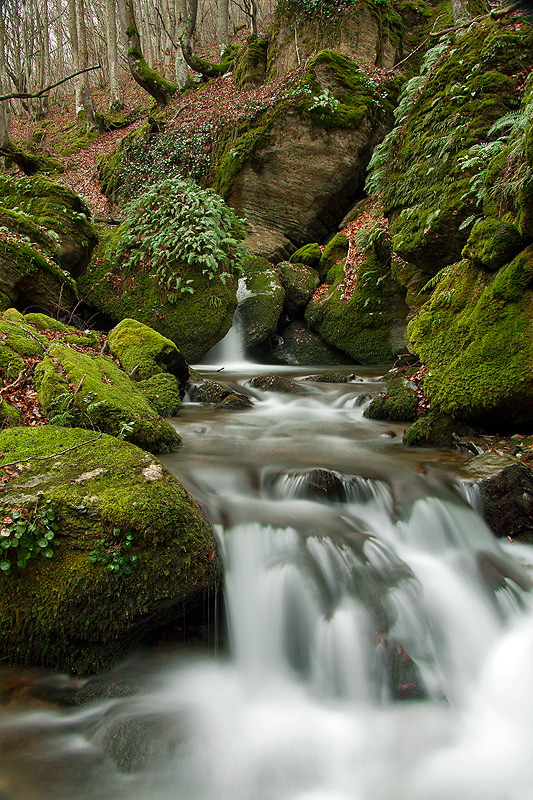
<point>260,311</point>
<point>163,393</point>
<point>506,493</point>
<point>434,429</point>
<point>475,337</point>
<point>299,283</point>
<point>309,255</point>
<point>250,65</point>
<point>130,549</point>
<point>59,216</point>
<point>143,352</point>
<point>103,396</point>
<point>172,265</point>
<point>436,179</point>
<point>335,251</point>
<point>399,403</point>
<point>308,154</point>
<point>360,309</point>
<point>298,344</point>
<point>492,244</point>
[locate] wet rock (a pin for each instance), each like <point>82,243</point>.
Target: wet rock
<point>299,283</point>
<point>235,401</point>
<point>435,430</point>
<point>211,393</point>
<point>397,404</point>
<point>276,383</point>
<point>298,344</point>
<point>507,499</point>
<point>329,377</point>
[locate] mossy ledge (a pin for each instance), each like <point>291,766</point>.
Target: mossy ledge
<point>68,613</point>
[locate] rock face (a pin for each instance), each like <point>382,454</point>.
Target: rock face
<point>131,550</point>
<point>506,494</point>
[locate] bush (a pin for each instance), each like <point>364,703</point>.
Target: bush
<point>176,226</point>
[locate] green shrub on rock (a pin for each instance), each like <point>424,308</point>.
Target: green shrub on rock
<point>172,265</point>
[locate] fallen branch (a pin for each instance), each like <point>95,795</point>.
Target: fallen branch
<point>30,96</point>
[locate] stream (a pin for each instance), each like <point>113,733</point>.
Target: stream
<point>379,639</point>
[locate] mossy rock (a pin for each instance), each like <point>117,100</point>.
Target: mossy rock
<point>309,254</point>
<point>297,344</point>
<point>210,393</point>
<point>430,193</point>
<point>475,337</point>
<point>398,404</point>
<point>300,283</point>
<point>435,430</point>
<point>143,352</point>
<point>104,398</point>
<point>277,383</point>
<point>250,64</point>
<point>336,250</point>
<point>18,339</point>
<point>163,393</point>
<point>9,416</point>
<point>67,612</point>
<point>235,402</point>
<point>363,319</point>
<point>492,244</point>
<point>260,311</point>
<point>59,213</point>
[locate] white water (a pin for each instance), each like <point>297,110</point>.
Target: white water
<point>322,599</point>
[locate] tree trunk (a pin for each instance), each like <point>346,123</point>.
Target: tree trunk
<point>222,26</point>
<point>46,57</point>
<point>4,118</point>
<point>199,64</point>
<point>83,55</point>
<point>160,89</point>
<point>112,59</point>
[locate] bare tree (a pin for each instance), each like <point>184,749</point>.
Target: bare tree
<point>196,63</point>
<point>160,89</point>
<point>112,57</point>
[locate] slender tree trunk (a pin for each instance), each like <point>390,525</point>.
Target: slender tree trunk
<point>83,55</point>
<point>112,58</point>
<point>4,118</point>
<point>46,57</point>
<point>253,17</point>
<point>60,59</point>
<point>222,25</point>
<point>181,69</point>
<point>206,68</point>
<point>160,89</point>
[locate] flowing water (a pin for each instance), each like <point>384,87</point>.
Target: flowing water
<point>380,639</point>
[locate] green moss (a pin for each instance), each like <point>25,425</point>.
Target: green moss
<point>309,254</point>
<point>104,398</point>
<point>428,190</point>
<point>335,250</point>
<point>259,313</point>
<point>474,335</point>
<point>492,244</point>
<point>250,64</point>
<point>9,416</point>
<point>20,336</point>
<point>398,404</point>
<point>163,393</point>
<point>67,613</point>
<point>435,430</point>
<point>299,283</point>
<point>143,352</point>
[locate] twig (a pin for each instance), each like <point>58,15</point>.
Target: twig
<point>54,455</point>
<point>30,96</point>
<point>15,383</point>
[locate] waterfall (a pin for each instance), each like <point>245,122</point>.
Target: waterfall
<point>380,639</point>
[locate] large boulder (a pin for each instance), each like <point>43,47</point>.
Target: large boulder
<point>298,344</point>
<point>143,352</point>
<point>308,155</point>
<point>260,310</point>
<point>475,337</point>
<point>126,549</point>
<point>171,265</point>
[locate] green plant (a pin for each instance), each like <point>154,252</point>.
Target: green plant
<point>61,411</point>
<point>176,227</point>
<point>26,532</point>
<point>113,553</point>
<point>325,102</point>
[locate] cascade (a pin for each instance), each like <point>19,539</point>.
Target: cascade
<point>371,653</point>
